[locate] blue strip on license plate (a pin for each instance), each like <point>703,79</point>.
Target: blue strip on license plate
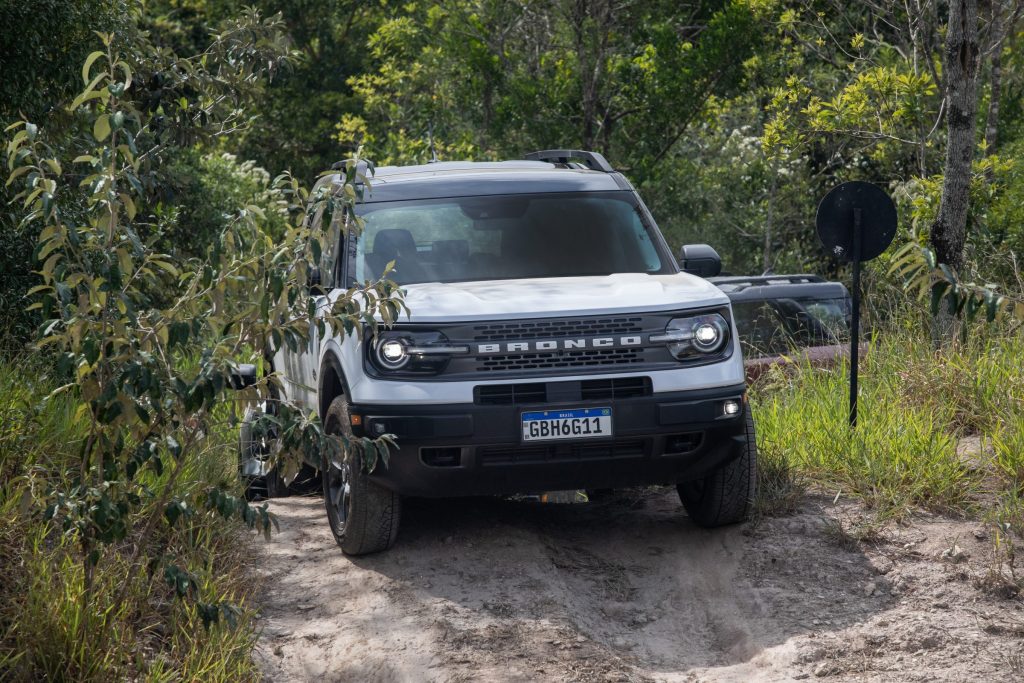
<point>578,423</point>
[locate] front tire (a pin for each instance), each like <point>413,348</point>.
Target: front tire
<point>726,496</point>
<point>363,515</point>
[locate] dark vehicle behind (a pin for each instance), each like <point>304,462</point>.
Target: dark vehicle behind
<point>789,318</point>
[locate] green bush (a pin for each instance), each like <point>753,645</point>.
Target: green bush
<point>48,629</point>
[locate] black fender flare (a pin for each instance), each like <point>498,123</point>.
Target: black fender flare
<point>331,382</point>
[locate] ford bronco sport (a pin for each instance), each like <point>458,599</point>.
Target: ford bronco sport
<point>553,343</point>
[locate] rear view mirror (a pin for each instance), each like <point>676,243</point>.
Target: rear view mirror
<point>700,260</point>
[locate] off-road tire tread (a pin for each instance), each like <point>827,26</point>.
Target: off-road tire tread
<point>376,511</point>
<point>729,492</point>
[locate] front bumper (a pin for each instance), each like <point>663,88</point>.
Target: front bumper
<point>471,449</point>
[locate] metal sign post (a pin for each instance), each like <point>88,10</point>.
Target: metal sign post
<point>856,222</point>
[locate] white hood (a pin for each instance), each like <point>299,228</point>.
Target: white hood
<point>562,296</point>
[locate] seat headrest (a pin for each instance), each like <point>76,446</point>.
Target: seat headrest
<point>391,243</point>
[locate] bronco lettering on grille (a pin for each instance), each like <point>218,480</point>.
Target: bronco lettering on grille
<point>560,344</point>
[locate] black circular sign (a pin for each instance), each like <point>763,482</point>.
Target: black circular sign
<point>835,220</point>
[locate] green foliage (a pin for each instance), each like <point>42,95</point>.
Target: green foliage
<point>149,341</point>
<point>50,628</point>
<point>498,78</point>
<point>42,47</point>
<point>1008,447</point>
<point>184,100</point>
<point>937,283</point>
<point>208,191</point>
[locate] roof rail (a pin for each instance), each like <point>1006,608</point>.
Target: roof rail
<point>801,278</point>
<point>592,160</point>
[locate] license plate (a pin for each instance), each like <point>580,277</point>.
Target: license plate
<point>579,423</point>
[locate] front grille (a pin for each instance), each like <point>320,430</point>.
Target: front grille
<point>535,348</point>
<point>617,388</point>
<point>586,390</point>
<point>532,454</point>
<point>547,329</point>
<point>511,394</point>
<point>574,358</point>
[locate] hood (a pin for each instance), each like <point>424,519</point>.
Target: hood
<point>555,297</point>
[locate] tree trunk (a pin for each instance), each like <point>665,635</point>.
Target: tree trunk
<point>1004,19</point>
<point>949,232</point>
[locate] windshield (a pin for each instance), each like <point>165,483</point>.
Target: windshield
<point>775,326</point>
<point>506,237</point>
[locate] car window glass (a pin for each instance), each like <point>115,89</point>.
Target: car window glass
<point>506,237</point>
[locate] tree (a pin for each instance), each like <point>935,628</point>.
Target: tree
<point>949,232</point>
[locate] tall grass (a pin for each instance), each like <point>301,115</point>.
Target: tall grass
<point>916,403</point>
<point>48,631</point>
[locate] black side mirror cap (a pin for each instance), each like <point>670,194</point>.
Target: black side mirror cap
<point>242,375</point>
<point>700,260</point>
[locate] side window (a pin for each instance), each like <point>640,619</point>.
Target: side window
<point>329,270</point>
<point>328,264</point>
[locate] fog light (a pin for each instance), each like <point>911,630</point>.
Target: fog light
<point>731,407</point>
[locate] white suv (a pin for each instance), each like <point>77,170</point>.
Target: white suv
<point>553,343</point>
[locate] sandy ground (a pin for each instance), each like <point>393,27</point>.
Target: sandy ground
<point>628,589</point>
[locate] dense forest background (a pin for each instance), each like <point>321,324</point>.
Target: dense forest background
<point>732,117</point>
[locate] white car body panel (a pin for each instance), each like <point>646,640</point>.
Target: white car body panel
<point>558,296</point>
<point>518,299</point>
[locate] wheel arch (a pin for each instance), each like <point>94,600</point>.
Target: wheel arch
<point>332,383</point>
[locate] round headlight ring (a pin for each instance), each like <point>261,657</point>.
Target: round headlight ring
<point>391,354</point>
<point>708,336</point>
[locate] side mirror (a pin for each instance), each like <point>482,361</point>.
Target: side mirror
<point>700,260</point>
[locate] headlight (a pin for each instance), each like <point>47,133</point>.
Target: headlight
<point>695,337</point>
<point>412,352</point>
<point>391,354</point>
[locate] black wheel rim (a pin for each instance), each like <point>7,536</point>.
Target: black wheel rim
<point>339,493</point>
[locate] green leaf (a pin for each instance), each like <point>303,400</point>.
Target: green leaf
<point>88,64</point>
<point>101,128</point>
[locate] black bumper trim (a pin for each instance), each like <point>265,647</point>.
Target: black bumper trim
<point>663,438</point>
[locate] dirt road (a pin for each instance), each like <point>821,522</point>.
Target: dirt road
<point>627,589</point>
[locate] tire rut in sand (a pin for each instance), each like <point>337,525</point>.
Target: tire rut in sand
<point>625,589</point>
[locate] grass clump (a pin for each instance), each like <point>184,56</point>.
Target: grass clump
<point>915,405</point>
<point>48,629</point>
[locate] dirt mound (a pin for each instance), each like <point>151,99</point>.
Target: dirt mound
<point>628,589</point>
